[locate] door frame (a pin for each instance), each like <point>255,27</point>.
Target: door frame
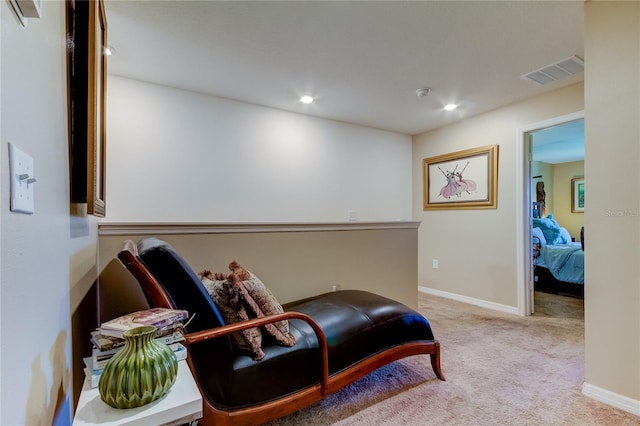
<point>524,265</point>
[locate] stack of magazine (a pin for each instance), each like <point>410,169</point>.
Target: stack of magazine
<point>108,339</point>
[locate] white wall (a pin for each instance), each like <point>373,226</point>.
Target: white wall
<point>612,209</point>
<point>39,252</point>
<point>476,249</point>
<point>183,156</point>
<point>1,181</point>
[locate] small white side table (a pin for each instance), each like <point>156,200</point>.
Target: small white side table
<point>183,404</point>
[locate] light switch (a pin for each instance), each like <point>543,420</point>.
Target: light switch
<point>22,180</point>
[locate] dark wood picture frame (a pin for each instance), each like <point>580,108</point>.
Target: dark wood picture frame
<point>87,40</point>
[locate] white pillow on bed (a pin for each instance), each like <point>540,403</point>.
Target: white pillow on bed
<point>537,232</point>
<point>565,237</point>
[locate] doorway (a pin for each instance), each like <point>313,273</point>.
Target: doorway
<point>524,211</point>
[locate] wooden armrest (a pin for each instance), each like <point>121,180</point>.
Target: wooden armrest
<point>213,333</point>
<point>156,297</point>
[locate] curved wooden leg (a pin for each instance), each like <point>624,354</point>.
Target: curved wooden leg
<point>435,363</point>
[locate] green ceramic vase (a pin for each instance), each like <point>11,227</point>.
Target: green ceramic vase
<point>139,373</point>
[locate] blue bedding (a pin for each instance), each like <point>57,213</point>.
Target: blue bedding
<point>564,261</point>
<point>549,228</point>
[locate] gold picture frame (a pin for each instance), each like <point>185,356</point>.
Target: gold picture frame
<point>577,195</point>
<point>461,180</point>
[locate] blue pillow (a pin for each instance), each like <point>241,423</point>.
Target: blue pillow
<point>565,237</point>
<point>537,232</point>
<point>549,227</point>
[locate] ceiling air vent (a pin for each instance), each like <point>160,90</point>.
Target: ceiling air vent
<point>553,72</point>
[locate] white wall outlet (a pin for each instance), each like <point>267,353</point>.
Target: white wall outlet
<point>22,180</point>
<point>335,287</point>
<point>435,264</point>
<point>353,215</point>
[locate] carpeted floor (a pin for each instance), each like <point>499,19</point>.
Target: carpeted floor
<point>501,369</point>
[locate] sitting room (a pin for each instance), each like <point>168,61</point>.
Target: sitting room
<point>310,143</point>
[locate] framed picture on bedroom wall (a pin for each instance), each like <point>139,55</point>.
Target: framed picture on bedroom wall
<point>577,195</point>
<point>87,64</point>
<point>461,180</point>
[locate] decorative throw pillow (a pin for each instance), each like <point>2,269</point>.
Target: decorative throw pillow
<point>537,232</point>
<point>249,340</point>
<point>239,296</point>
<point>266,303</point>
<point>550,229</point>
<point>565,237</point>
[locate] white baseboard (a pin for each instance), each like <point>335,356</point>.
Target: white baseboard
<point>470,300</point>
<point>610,398</point>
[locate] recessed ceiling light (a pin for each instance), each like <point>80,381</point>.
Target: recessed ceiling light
<point>450,107</point>
<point>306,99</point>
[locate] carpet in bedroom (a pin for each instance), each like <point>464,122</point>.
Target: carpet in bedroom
<point>558,306</point>
<point>501,369</point>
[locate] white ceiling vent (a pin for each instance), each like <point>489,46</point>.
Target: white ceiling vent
<point>564,68</point>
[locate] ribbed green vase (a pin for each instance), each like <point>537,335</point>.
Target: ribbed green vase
<point>141,372</point>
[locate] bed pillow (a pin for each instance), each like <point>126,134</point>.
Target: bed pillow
<point>550,229</point>
<point>537,232</point>
<point>249,340</point>
<point>565,237</point>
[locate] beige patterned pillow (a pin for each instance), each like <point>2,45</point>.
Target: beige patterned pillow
<point>248,340</point>
<point>265,300</point>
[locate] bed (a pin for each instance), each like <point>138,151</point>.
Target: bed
<point>558,261</point>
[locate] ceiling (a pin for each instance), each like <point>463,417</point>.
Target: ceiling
<point>559,144</point>
<point>362,61</point>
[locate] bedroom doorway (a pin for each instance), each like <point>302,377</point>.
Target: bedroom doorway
<point>537,188</point>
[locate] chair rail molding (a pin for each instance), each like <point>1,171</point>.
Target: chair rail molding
<point>142,228</point>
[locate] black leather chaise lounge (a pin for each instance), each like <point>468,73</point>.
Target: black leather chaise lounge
<point>340,337</point>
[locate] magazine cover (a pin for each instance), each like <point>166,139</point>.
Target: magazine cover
<point>157,317</point>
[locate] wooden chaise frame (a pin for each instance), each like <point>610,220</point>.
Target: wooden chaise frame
<point>156,297</point>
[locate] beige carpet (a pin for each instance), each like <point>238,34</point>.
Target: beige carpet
<point>501,369</point>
